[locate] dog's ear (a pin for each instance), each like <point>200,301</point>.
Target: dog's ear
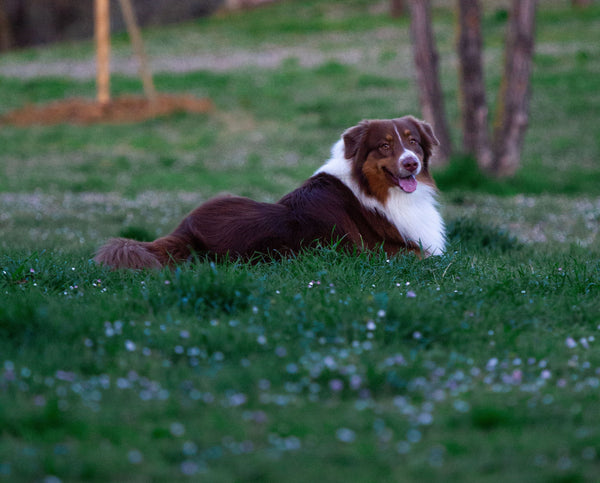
<point>426,131</point>
<point>428,139</point>
<point>353,138</point>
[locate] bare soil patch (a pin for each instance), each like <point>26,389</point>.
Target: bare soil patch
<point>118,110</point>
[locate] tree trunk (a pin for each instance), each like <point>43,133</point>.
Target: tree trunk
<point>581,3</point>
<point>428,79</point>
<point>476,140</point>
<point>513,100</point>
<point>397,8</point>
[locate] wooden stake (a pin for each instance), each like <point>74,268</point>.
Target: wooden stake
<point>138,48</point>
<point>102,33</point>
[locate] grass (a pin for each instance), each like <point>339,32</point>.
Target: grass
<point>380,368</point>
<point>478,365</point>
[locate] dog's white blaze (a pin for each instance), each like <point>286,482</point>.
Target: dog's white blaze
<point>415,215</point>
<point>407,153</point>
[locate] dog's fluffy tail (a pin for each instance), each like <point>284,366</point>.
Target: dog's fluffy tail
<point>126,253</point>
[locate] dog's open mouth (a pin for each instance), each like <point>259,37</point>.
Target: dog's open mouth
<point>407,184</point>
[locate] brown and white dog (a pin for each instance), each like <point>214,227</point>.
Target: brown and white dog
<point>375,190</point>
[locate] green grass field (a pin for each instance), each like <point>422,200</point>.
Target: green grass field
<point>480,365</point>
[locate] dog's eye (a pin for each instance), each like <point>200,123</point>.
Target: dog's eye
<point>412,141</point>
<point>384,146</point>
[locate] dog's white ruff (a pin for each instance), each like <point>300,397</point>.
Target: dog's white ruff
<point>415,215</point>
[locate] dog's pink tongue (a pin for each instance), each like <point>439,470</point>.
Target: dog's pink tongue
<point>408,184</point>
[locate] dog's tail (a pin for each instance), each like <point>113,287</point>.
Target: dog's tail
<point>126,253</point>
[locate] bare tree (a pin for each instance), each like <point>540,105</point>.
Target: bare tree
<point>513,100</point>
<point>500,157</point>
<point>428,79</point>
<point>476,139</point>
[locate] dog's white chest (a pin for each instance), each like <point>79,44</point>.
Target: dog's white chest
<point>415,215</point>
<point>417,218</point>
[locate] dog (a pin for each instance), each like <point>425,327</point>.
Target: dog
<point>375,191</point>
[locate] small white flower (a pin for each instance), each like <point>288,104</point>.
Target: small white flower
<point>177,429</point>
<point>345,435</point>
<point>135,457</point>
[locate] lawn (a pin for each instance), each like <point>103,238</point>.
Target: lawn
<point>479,365</point>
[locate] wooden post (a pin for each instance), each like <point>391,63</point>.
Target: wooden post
<point>138,48</point>
<point>102,33</point>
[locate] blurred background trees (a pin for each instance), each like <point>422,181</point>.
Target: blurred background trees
<point>33,22</point>
<point>498,155</point>
<point>493,136</point>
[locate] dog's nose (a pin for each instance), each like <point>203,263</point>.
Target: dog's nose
<point>410,164</point>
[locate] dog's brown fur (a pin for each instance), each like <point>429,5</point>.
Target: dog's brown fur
<point>323,210</point>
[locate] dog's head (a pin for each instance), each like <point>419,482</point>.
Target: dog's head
<point>390,154</point>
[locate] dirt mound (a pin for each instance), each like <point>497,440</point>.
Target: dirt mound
<point>118,110</point>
